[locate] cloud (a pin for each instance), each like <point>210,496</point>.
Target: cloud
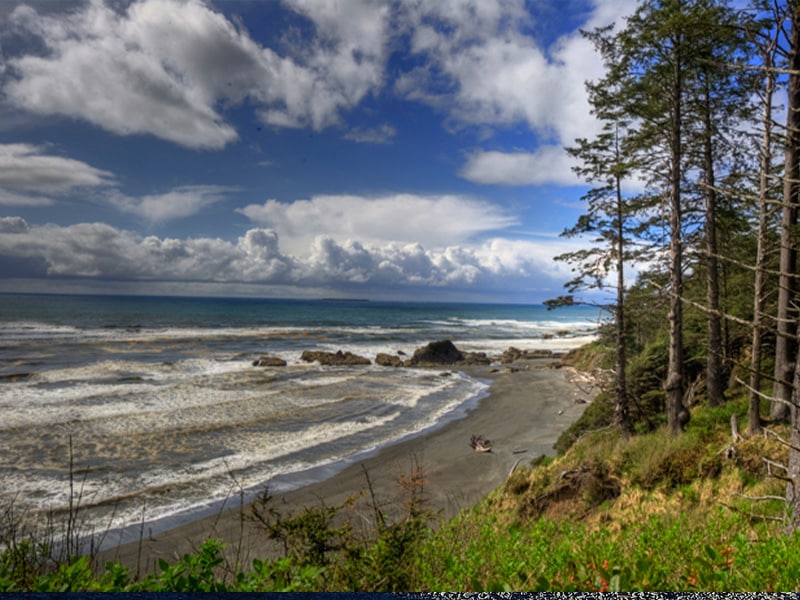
<point>549,164</point>
<point>114,71</point>
<point>336,69</point>
<point>26,168</point>
<point>99,251</point>
<point>433,221</point>
<point>376,135</point>
<point>481,67</point>
<point>178,203</point>
<point>13,225</point>
<point>496,74</point>
<point>15,199</point>
<point>30,177</point>
<point>167,67</point>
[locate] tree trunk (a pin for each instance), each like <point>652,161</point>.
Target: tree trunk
<point>793,485</point>
<point>621,406</point>
<point>677,416</point>
<point>714,388</point>
<point>754,400</point>
<point>790,198</point>
<point>786,345</point>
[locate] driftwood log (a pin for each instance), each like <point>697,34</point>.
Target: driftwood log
<point>480,443</point>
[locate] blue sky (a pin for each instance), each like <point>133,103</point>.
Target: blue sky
<point>409,150</point>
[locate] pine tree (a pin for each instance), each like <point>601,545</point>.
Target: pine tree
<point>765,38</point>
<point>718,102</point>
<point>786,345</point>
<point>609,219</point>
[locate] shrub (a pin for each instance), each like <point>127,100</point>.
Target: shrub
<point>662,459</point>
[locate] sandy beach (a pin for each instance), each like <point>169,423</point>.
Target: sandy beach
<point>528,406</point>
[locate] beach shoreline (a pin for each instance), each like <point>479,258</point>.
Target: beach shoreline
<point>529,404</point>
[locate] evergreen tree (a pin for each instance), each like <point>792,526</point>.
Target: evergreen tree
<point>765,38</point>
<point>608,219</point>
<point>786,344</point>
<point>718,103</point>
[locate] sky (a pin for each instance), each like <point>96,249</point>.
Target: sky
<point>408,150</point>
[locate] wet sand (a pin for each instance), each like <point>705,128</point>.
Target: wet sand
<point>528,406</point>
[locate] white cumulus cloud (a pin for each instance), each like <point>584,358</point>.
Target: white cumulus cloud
<point>549,164</point>
<point>13,225</point>
<point>168,67</point>
<point>99,251</point>
<point>481,67</point>
<point>433,221</point>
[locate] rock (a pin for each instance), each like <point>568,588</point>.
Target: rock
<point>388,360</point>
<point>436,353</point>
<point>511,355</point>
<point>515,354</point>
<point>337,358</point>
<point>269,361</point>
<point>433,355</point>
<point>476,358</point>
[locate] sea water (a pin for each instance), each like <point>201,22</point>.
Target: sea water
<point>142,409</point>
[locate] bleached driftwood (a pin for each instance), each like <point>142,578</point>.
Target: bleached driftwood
<point>480,444</point>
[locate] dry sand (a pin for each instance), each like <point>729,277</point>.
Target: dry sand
<point>528,406</point>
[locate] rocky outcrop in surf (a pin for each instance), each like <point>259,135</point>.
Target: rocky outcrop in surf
<point>439,353</point>
<point>515,354</point>
<point>388,360</point>
<point>442,353</point>
<point>269,361</point>
<point>334,359</point>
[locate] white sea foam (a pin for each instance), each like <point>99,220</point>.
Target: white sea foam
<point>498,346</point>
<point>253,457</point>
<point>25,331</point>
<point>514,325</point>
<point>213,476</point>
<point>34,329</point>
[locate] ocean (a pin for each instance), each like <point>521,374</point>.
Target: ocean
<point>144,410</point>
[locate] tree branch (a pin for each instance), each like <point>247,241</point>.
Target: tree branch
<point>782,441</point>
